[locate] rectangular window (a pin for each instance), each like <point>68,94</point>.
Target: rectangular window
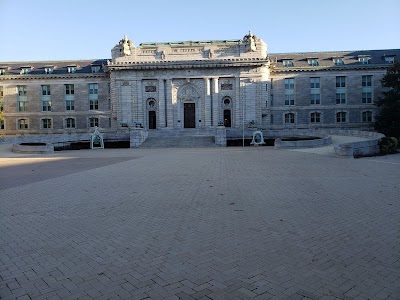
<point>71,69</point>
<point>313,62</point>
<point>338,61</point>
<point>289,118</point>
<point>340,98</point>
<point>95,69</point>
<point>48,70</point>
<point>25,70</point>
<point>69,123</point>
<point>340,81</point>
<point>367,97</point>
<point>69,89</point>
<point>2,124</point>
<point>22,90</point>
<point>272,119</point>
<point>93,122</point>
<point>69,105</point>
<point>289,99</point>
<point>367,80</point>
<point>389,59</point>
<point>315,117</point>
<point>93,96</point>
<point>93,89</point>
<point>364,60</point>
<point>45,90</point>
<point>288,63</point>
<point>341,117</point>
<point>69,97</point>
<point>22,124</point>
<point>93,104</point>
<point>1,92</point>
<point>367,116</point>
<point>46,123</point>
<point>2,71</point>
<point>315,99</point>
<point>314,82</point>
<point>289,83</point>
<point>22,106</point>
<point>46,105</point>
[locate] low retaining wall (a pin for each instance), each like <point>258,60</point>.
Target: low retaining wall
<point>361,148</point>
<point>323,141</point>
<point>33,149</point>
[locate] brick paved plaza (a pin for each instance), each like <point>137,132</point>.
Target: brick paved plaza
<point>218,223</point>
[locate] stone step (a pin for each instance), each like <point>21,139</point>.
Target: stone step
<point>179,142</point>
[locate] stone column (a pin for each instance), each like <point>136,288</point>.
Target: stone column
<point>216,104</point>
<point>161,104</point>
<point>170,108</point>
<point>237,105</point>
<point>140,103</point>
<point>207,108</point>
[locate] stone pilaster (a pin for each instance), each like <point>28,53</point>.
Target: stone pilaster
<point>161,104</point>
<point>237,105</point>
<point>170,107</point>
<point>216,103</point>
<point>207,108</point>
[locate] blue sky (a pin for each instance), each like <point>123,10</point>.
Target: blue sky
<point>34,30</point>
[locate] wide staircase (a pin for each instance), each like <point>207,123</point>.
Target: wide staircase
<point>184,138</point>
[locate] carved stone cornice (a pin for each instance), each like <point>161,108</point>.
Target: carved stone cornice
<point>326,68</point>
<point>51,76</point>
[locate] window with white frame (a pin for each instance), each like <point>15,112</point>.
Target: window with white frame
<point>22,100</point>
<point>315,92</point>
<point>289,99</point>
<point>313,62</point>
<point>364,60</point>
<point>340,81</point>
<point>71,69</point>
<point>315,117</point>
<point>389,59</point>
<point>341,117</point>
<point>340,98</point>
<point>2,71</point>
<point>289,91</point>
<point>289,118</point>
<point>46,123</point>
<point>315,99</point>
<point>93,96</point>
<point>22,124</point>
<point>26,70</point>
<point>95,69</point>
<point>340,89</point>
<point>367,116</point>
<point>367,89</point>
<point>366,97</point>
<point>288,63</point>
<point>289,83</point>
<point>69,96</point>
<point>69,123</point>
<point>338,61</point>
<point>366,80</point>
<point>314,82</point>
<point>45,97</point>
<point>93,122</point>
<point>48,70</point>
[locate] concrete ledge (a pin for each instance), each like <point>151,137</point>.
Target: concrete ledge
<point>369,147</point>
<point>323,141</point>
<point>33,149</point>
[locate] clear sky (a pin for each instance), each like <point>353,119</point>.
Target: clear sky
<point>32,30</point>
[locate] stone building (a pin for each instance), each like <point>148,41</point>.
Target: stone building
<point>194,84</point>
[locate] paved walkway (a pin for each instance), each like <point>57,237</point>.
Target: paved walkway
<point>220,223</point>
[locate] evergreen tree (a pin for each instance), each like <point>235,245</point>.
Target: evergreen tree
<point>388,119</point>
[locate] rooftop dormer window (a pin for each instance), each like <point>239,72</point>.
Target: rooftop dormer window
<point>95,69</point>
<point>364,60</point>
<point>313,62</point>
<point>26,70</point>
<point>288,63</point>
<point>338,61</point>
<point>2,71</point>
<point>48,70</point>
<point>389,59</point>
<point>71,69</point>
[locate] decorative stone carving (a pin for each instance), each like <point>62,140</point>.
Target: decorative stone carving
<point>126,46</point>
<point>249,40</point>
<point>188,92</point>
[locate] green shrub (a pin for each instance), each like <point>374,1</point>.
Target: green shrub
<point>388,145</point>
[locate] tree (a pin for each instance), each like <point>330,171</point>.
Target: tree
<point>388,119</point>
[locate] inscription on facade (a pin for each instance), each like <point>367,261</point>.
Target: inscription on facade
<point>150,88</point>
<point>226,86</point>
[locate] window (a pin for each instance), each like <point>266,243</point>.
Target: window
<point>389,59</point>
<point>315,99</point>
<point>48,70</point>
<point>46,123</point>
<point>341,117</point>
<point>315,117</point>
<point>2,71</point>
<point>289,118</point>
<point>71,69</point>
<point>22,98</point>
<point>22,90</point>
<point>69,123</point>
<point>338,61</point>
<point>69,97</point>
<point>1,106</point>
<point>288,63</point>
<point>367,116</point>
<point>93,122</point>
<point>340,81</point>
<point>2,124</point>
<point>367,80</point>
<point>364,60</point>
<point>93,96</point>
<point>95,69</point>
<point>289,83</point>
<point>314,82</point>
<point>22,124</point>
<point>1,92</point>
<point>289,99</point>
<point>25,70</point>
<point>313,62</point>
<point>46,105</point>
<point>45,90</point>
<point>340,98</point>
<point>69,89</point>
<point>272,119</point>
<point>366,97</point>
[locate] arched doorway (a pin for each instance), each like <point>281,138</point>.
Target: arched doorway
<point>152,116</point>
<point>227,109</point>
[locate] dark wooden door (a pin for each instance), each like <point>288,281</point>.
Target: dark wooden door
<point>227,118</point>
<point>189,115</point>
<point>152,120</point>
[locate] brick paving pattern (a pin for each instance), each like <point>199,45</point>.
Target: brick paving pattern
<point>218,223</point>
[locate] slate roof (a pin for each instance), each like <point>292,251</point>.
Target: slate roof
<point>59,67</point>
<point>350,58</point>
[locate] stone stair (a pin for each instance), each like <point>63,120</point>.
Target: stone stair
<point>187,138</point>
